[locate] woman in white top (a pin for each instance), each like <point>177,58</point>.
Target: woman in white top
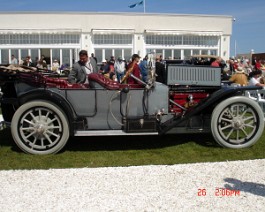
<point>255,78</point>
<point>56,66</point>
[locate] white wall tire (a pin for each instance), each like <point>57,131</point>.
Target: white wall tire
<point>40,127</point>
<point>237,122</point>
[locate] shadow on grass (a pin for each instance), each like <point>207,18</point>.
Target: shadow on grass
<point>112,143</point>
<point>7,140</point>
<point>136,142</point>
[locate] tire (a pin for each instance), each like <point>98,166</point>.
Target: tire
<point>237,122</point>
<point>40,127</point>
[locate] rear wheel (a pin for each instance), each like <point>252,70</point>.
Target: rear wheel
<point>237,122</point>
<point>40,127</point>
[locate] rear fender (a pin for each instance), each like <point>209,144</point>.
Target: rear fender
<point>53,97</point>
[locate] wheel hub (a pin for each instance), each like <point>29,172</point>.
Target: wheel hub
<point>40,129</point>
<point>238,123</point>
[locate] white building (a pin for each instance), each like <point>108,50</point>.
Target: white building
<point>60,35</point>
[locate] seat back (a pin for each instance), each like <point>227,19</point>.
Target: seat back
<point>96,78</point>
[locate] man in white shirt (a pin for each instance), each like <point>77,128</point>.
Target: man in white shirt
<point>13,60</point>
<point>119,68</point>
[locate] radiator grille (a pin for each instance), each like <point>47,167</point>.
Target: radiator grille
<point>192,75</point>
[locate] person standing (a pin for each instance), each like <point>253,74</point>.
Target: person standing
<point>119,67</point>
<point>144,68</point>
<point>111,64</point>
<point>13,60</point>
<point>104,68</point>
<point>27,62</point>
<point>160,71</point>
<point>94,57</point>
<point>56,66</point>
<point>231,66</point>
<point>217,62</point>
<point>134,69</point>
<point>40,64</point>
<point>82,68</point>
<point>258,64</point>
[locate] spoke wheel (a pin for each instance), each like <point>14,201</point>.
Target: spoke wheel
<point>39,127</point>
<point>237,122</point>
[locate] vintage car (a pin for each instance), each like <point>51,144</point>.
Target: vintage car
<point>44,110</point>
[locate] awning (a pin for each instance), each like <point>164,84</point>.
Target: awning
<point>112,31</point>
<point>183,32</point>
<point>40,31</point>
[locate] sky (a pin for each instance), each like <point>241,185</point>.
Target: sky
<point>248,29</point>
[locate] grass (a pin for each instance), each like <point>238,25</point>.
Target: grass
<point>126,151</point>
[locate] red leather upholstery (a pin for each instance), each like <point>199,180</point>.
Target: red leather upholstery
<point>110,84</point>
<point>62,83</point>
<point>103,81</point>
<point>99,78</point>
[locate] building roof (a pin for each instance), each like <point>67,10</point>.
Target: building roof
<point>111,13</point>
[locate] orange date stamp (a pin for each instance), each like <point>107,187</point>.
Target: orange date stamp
<point>219,192</point>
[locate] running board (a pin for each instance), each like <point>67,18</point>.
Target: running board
<point>109,133</point>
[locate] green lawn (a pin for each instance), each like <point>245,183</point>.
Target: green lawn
<point>126,151</point>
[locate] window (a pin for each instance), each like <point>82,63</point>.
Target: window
<point>177,54</point>
<point>204,52</point>
<point>66,57</point>
<point>159,52</point>
<point>24,53</point>
<point>196,51</point>
<point>186,40</point>
<point>14,52</point>
<point>117,53</point>
<point>56,55</point>
<point>4,39</point>
<point>40,39</point>
<point>187,53</point>
<point>168,54</point>
<point>212,41</point>
<point>194,40</point>
<point>127,54</point>
<point>34,53</point>
<point>4,56</point>
<point>163,39</point>
<point>113,39</point>
<point>34,39</point>
<point>102,54</point>
<point>98,55</point>
<point>108,53</point>
<point>213,52</point>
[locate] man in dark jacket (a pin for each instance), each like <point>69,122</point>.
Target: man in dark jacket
<point>160,71</point>
<point>82,68</point>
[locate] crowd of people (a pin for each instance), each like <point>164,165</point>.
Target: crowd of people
<point>112,68</point>
<point>242,71</point>
<point>238,71</point>
<point>116,69</point>
<point>38,63</point>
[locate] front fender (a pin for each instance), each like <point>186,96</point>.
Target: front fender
<point>218,96</point>
<point>206,106</point>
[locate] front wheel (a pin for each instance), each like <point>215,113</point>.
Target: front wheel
<point>237,122</point>
<point>40,127</point>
